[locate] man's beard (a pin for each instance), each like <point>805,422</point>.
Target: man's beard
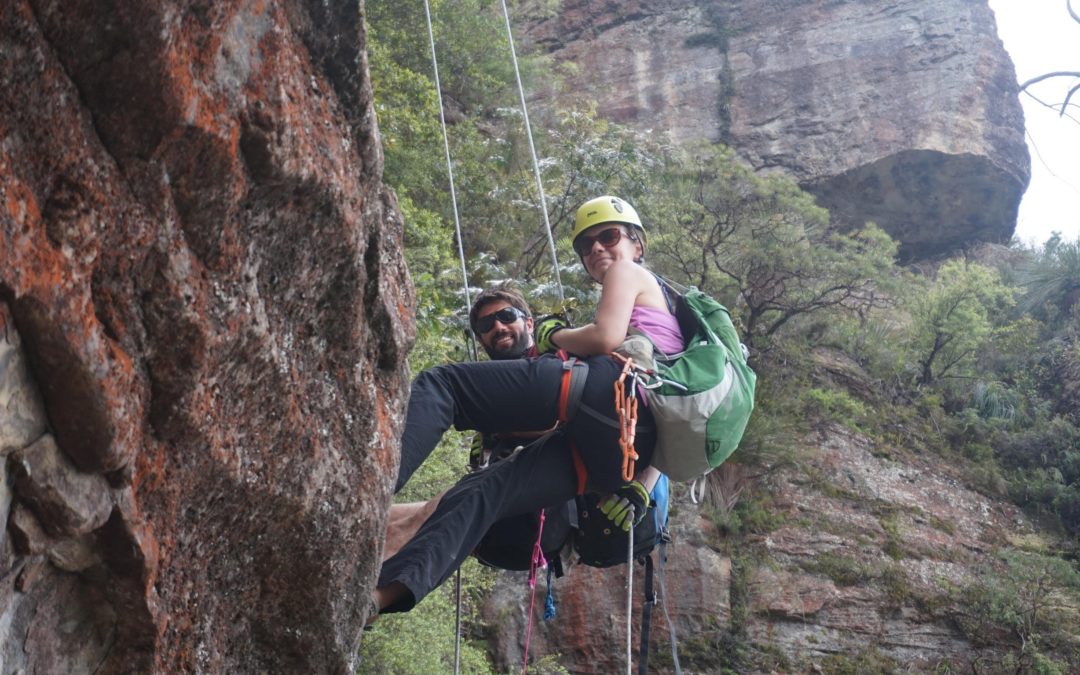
<point>519,343</point>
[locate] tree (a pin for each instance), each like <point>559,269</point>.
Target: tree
<point>765,242</point>
<point>955,316</point>
<point>1062,108</point>
<point>1052,279</point>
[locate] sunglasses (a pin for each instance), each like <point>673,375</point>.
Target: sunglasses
<point>609,238</point>
<point>505,316</point>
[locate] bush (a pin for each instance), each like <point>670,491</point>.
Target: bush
<point>1029,602</point>
<point>834,405</point>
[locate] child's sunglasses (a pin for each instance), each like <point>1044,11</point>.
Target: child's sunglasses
<point>609,238</point>
<point>505,316</point>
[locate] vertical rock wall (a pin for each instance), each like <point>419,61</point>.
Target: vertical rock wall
<point>204,316</point>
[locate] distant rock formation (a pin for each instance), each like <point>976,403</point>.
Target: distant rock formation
<point>204,317</point>
<point>901,112</point>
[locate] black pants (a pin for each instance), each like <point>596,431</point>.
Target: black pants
<point>495,396</point>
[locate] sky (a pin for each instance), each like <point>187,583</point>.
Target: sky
<point>1041,37</point>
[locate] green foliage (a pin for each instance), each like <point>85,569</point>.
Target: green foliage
<point>835,405</point>
<point>764,242</point>
<point>1051,280</point>
<point>429,647</point>
<point>867,661</point>
<point>954,318</point>
<point>754,514</point>
<point>1030,602</point>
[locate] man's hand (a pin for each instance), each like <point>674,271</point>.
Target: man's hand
<point>617,506</point>
<point>477,452</point>
<point>545,328</point>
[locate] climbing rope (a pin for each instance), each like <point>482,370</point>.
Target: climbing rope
<point>464,285</point>
<point>465,279</point>
<point>537,563</point>
<point>450,173</point>
<point>630,595</point>
<point>457,622</point>
<point>532,150</point>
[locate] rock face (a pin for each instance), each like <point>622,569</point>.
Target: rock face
<point>862,563</point>
<point>204,316</point>
<point>901,112</point>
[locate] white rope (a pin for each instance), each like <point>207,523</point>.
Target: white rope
<point>464,286</point>
<point>450,173</point>
<point>457,623</point>
<point>630,596</point>
<point>532,150</point>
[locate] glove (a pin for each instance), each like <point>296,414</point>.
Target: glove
<point>477,458</point>
<point>617,505</point>
<point>545,328</point>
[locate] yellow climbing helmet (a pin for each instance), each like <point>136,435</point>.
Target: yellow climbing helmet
<point>606,209</point>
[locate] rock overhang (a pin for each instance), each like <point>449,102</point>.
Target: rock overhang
<point>933,203</point>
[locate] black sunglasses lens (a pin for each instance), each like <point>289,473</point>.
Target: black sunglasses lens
<point>506,316</point>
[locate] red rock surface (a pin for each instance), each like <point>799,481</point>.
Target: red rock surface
<point>203,270</point>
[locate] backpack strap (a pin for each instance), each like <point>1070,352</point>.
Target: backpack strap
<point>666,289</point>
<point>575,372</point>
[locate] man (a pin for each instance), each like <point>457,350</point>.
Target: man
<point>500,319</point>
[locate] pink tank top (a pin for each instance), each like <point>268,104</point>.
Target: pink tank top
<point>660,326</point>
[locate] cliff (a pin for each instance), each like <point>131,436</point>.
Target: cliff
<point>870,543</point>
<point>204,317</point>
<point>901,112</point>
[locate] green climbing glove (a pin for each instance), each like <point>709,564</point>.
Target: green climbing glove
<point>545,328</point>
<point>617,506</point>
<point>477,456</point>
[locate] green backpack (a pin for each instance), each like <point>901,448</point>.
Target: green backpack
<point>702,397</point>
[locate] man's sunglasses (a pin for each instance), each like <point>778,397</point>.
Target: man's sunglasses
<point>609,238</point>
<point>505,316</point>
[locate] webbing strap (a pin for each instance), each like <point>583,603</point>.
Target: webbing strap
<point>575,373</point>
<point>579,468</point>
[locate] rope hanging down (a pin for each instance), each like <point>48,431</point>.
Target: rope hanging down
<point>450,173</point>
<point>464,285</point>
<point>461,246</point>
<point>532,150</point>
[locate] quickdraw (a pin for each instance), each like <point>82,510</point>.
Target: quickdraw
<point>626,407</point>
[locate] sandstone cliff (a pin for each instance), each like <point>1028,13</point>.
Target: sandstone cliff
<point>204,316</point>
<point>903,112</point>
